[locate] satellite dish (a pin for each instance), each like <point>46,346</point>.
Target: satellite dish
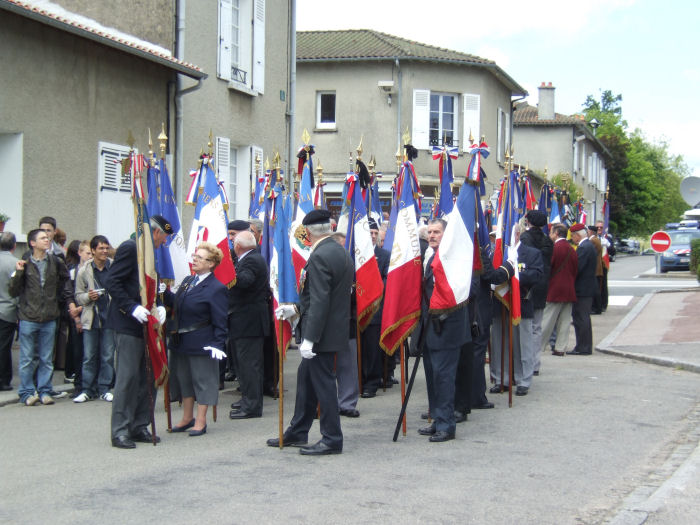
<point>690,190</point>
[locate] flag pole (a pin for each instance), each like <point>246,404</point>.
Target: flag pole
<point>280,398</point>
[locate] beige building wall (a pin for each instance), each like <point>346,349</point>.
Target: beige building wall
<point>65,95</point>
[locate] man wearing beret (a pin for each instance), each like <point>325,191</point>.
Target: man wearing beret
<point>533,236</point>
<point>585,286</point>
<point>324,316</point>
<point>131,406</point>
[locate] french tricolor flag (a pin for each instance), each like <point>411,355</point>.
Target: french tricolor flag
<point>453,261</point>
<point>402,295</point>
<point>299,242</point>
<point>369,287</point>
<point>210,223</point>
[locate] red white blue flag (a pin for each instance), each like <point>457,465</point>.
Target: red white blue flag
<point>402,295</point>
<point>298,240</point>
<point>369,287</point>
<point>210,223</point>
<point>453,262</point>
<point>445,155</point>
<point>477,151</point>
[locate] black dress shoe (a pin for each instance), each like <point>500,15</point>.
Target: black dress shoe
<point>536,373</point>
<point>441,436</point>
<point>319,449</point>
<point>427,431</point>
<point>144,437</point>
<point>576,352</point>
<point>496,389</point>
<point>289,441</point>
<point>123,442</point>
<point>350,412</point>
<point>240,414</point>
<point>229,376</point>
<point>367,394</point>
<point>270,392</point>
<point>460,417</point>
<point>425,415</point>
<point>484,406</point>
<point>557,353</point>
<point>236,405</point>
<point>195,433</point>
<point>5,388</point>
<point>521,391</point>
<point>184,427</point>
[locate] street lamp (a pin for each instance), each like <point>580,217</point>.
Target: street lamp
<point>594,124</point>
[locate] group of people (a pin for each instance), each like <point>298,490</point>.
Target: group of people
<point>215,333</point>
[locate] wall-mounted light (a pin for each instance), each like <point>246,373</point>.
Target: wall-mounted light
<point>388,99</point>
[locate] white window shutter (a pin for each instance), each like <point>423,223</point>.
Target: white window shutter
<point>421,119</point>
<point>506,132</point>
<point>225,39</point>
<point>222,158</point>
<point>255,170</point>
<point>471,117</point>
<point>259,46</point>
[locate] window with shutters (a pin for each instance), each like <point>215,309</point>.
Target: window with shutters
<point>325,110</point>
<point>114,194</point>
<point>443,120</point>
<point>11,203</point>
<point>471,119</point>
<point>241,52</point>
<point>503,130</point>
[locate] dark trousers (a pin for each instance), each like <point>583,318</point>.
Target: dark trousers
<point>74,354</point>
<point>132,403</point>
<point>372,359</point>
<point>604,290</point>
<point>464,379</point>
<point>597,306</point>
<point>269,360</point>
<point>440,367</point>
<point>7,335</point>
<point>316,385</point>
<point>481,342</point>
<point>249,361</point>
<point>581,315</point>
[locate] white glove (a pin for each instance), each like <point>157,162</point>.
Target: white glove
<point>161,314</point>
<point>285,311</point>
<point>215,352</point>
<point>140,314</point>
<point>161,287</point>
<point>306,349</point>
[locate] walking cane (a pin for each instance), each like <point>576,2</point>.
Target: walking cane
<point>510,360</point>
<point>166,393</point>
<point>150,380</point>
<point>503,341</point>
<point>280,398</point>
<point>358,338</point>
<point>402,415</point>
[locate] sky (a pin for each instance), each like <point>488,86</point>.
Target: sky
<point>645,51</point>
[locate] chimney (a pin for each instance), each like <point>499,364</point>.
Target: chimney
<point>545,105</point>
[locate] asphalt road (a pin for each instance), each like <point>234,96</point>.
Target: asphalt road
<point>635,275</point>
<point>591,432</point>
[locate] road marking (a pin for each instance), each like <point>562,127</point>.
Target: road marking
<point>653,284</point>
<point>619,300</point>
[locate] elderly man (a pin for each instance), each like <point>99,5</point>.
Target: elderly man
<point>8,308</point>
<point>324,316</point>
<point>131,406</point>
<point>586,287</point>
<point>42,283</point>
<point>249,324</point>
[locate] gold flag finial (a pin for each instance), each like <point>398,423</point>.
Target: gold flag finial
<point>399,158</point>
<point>406,136</point>
<point>305,137</point>
<point>130,140</point>
<point>545,173</point>
<point>371,165</point>
<point>471,137</point>
<point>319,170</point>
<point>210,144</point>
<point>150,144</point>
<point>163,139</point>
<point>267,163</point>
<point>359,148</point>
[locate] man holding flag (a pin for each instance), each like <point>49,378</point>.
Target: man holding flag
<point>131,407</point>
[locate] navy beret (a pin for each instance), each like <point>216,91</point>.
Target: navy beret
<point>238,225</point>
<point>317,217</point>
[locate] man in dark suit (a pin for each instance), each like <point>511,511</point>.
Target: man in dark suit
<point>372,354</point>
<point>586,288</point>
<point>249,324</point>
<point>442,335</point>
<point>561,294</point>
<point>324,313</point>
<point>131,406</point>
<point>529,274</point>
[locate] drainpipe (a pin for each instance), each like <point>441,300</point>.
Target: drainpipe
<point>291,102</point>
<point>398,104</point>
<point>180,91</point>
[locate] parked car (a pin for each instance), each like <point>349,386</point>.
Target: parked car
<point>677,257</point>
<point>628,246</point>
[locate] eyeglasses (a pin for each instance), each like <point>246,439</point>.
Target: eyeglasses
<point>200,258</point>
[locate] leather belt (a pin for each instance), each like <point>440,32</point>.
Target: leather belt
<point>192,328</point>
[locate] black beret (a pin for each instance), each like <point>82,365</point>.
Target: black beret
<point>317,217</point>
<point>238,225</point>
<point>372,224</point>
<point>162,223</point>
<point>592,229</point>
<point>536,218</point>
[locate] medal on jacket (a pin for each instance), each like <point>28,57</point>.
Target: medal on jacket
<point>302,278</point>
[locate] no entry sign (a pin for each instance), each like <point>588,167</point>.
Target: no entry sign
<point>660,241</point>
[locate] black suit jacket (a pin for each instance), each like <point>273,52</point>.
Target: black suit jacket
<point>324,301</point>
<point>586,283</point>
<point>205,304</point>
<point>383,258</point>
<point>249,315</point>
<point>441,331</point>
<point>122,284</point>
<point>530,271</point>
<point>537,239</point>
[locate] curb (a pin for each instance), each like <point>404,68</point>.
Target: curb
<point>12,397</point>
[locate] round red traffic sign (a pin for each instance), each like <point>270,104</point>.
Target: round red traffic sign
<point>660,241</point>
